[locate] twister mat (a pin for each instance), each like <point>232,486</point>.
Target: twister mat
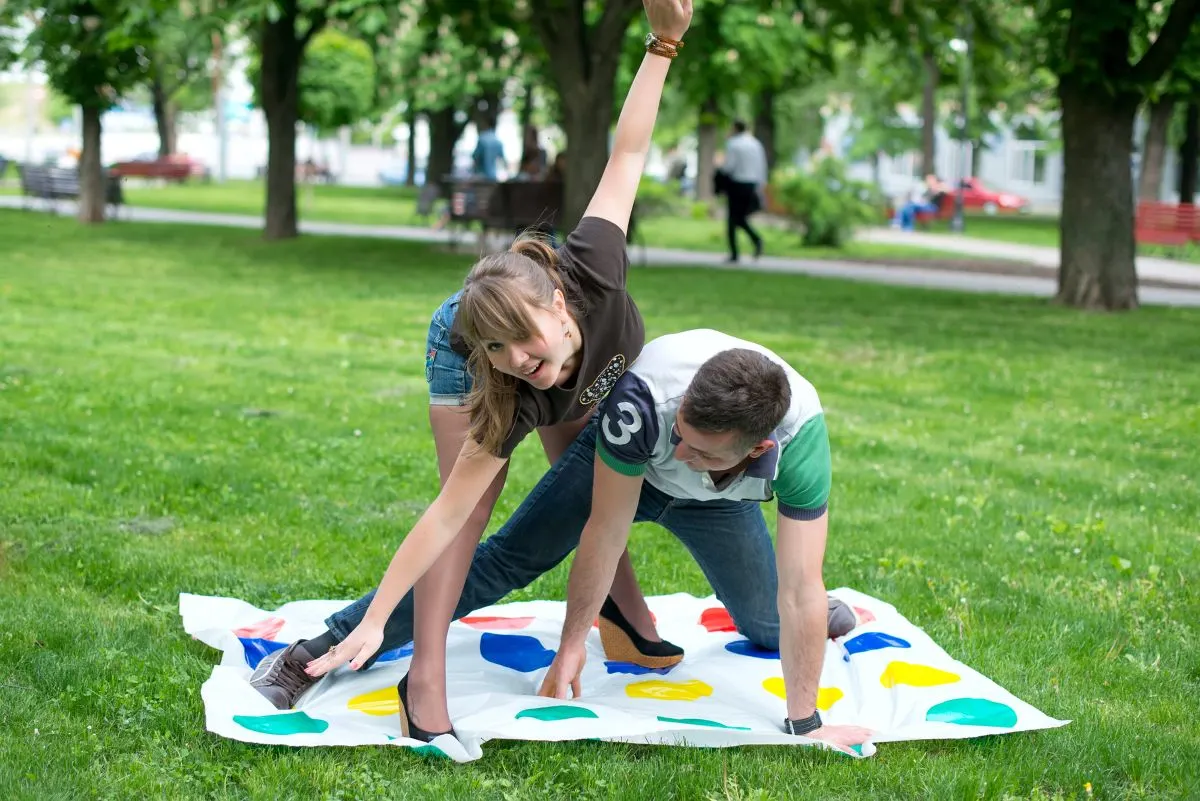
<point>886,675</point>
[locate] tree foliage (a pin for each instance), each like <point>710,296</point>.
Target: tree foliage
<point>337,81</point>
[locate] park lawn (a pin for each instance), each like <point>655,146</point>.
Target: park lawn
<point>1021,229</point>
<point>397,206</point>
<point>189,409</point>
<point>327,203</point>
<point>709,236</point>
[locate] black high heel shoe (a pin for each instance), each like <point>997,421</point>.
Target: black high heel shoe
<point>623,644</point>
<point>407,727</point>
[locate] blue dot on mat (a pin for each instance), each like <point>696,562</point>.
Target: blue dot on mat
<point>747,648</point>
<point>872,641</point>
<point>395,654</point>
<point>515,651</point>
<point>636,670</point>
<point>255,648</point>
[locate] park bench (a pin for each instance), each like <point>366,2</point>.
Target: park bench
<point>53,184</point>
<point>511,207</point>
<point>1165,223</point>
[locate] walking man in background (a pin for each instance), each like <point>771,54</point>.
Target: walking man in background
<point>745,174</point>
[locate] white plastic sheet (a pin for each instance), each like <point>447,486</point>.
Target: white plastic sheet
<point>886,675</point>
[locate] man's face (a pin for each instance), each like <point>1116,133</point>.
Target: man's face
<point>705,451</point>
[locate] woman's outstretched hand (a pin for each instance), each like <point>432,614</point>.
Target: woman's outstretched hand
<point>669,18</point>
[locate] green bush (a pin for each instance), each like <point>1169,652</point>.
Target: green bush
<point>661,199</point>
<point>823,204</point>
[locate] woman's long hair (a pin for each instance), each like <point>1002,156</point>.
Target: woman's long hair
<point>498,296</point>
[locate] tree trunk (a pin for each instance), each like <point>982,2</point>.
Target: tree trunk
<point>443,134</point>
<point>587,120</point>
<point>1154,149</point>
<point>706,148</point>
<point>1188,152</point>
<point>584,56</point>
<point>410,119</point>
<point>526,110</point>
<point>1097,268</point>
<point>764,125</point>
<point>976,156</point>
<point>91,170</point>
<point>282,50</point>
<point>164,118</point>
<point>929,115</point>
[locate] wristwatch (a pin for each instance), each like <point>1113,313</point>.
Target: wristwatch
<point>662,46</point>
<point>803,725</point>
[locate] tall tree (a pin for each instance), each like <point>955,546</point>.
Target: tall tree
<point>178,60</point>
<point>282,31</point>
<point>92,53</point>
<point>1101,82</point>
<point>1154,146</point>
<point>1180,86</point>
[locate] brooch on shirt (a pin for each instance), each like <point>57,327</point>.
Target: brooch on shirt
<point>604,382</point>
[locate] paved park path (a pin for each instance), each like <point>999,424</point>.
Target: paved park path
<point>1174,284</point>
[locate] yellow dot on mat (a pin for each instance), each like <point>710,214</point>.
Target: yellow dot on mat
<point>377,702</point>
<point>669,690</point>
<point>916,675</point>
<point>826,696</point>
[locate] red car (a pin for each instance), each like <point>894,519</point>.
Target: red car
<point>978,197</point>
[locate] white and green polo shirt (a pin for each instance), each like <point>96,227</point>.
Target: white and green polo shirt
<point>637,430</point>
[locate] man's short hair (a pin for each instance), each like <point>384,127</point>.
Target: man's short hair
<point>738,390</point>
<point>739,126</point>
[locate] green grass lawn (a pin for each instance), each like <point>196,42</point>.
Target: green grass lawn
<point>178,413</point>
<point>1021,229</point>
<point>346,204</point>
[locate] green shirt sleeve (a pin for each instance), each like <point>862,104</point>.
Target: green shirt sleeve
<point>621,466</point>
<point>805,473</point>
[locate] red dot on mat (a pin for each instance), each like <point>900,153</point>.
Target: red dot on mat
<point>717,619</point>
<point>263,629</point>
<point>497,623</point>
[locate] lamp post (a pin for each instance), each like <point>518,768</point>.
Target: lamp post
<point>962,46</point>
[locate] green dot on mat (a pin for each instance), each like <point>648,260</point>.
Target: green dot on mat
<point>857,749</point>
<point>556,713</point>
<point>702,722</point>
<point>290,723</point>
<point>431,751</point>
<point>973,712</point>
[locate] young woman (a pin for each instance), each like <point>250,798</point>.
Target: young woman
<point>547,333</point>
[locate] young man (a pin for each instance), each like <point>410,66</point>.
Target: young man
<point>700,430</point>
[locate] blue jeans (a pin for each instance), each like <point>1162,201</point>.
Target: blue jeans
<point>908,215</point>
<point>728,539</point>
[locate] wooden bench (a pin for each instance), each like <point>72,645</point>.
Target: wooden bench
<point>511,207</point>
<point>53,184</point>
<point>1165,223</point>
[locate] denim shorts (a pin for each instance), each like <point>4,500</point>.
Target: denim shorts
<point>446,371</point>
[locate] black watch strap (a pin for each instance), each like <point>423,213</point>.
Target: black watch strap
<point>803,725</point>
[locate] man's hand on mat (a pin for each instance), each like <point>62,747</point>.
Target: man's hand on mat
<point>564,673</point>
<point>355,649</point>
<point>843,736</point>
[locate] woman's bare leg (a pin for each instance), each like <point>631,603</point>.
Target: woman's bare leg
<point>625,591</point>
<point>437,592</point>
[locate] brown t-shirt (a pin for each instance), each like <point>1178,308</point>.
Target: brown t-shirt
<point>595,258</point>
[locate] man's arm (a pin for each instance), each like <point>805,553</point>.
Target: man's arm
<point>803,609</point>
<point>614,504</point>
